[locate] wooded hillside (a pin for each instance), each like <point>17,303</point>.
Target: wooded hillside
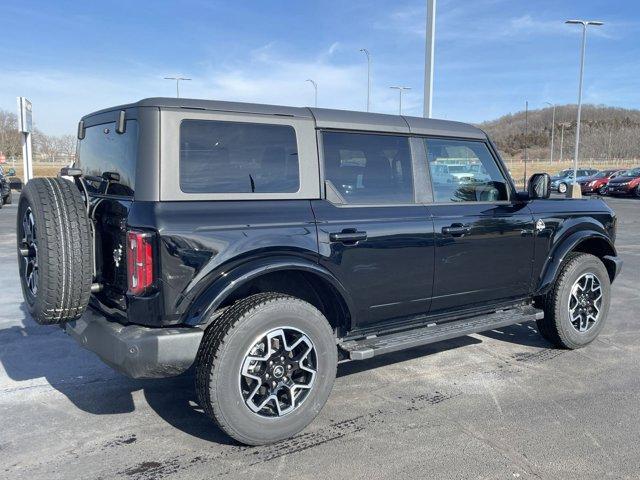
<point>605,133</point>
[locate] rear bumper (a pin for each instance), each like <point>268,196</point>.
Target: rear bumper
<point>136,351</point>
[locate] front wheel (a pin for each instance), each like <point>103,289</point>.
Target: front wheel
<point>576,308</point>
<point>266,367</point>
<point>562,188</point>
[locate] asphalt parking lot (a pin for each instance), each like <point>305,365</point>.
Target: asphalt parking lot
<point>497,405</point>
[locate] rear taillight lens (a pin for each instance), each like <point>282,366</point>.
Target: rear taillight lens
<point>139,261</point>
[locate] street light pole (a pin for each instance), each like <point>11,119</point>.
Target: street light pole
<point>177,79</point>
<point>315,89</point>
<point>366,52</point>
<point>400,90</point>
<point>575,189</point>
<point>428,57</point>
<point>553,124</point>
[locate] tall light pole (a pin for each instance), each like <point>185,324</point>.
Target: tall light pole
<point>526,134</point>
<point>553,126</point>
<point>366,52</point>
<point>315,90</point>
<point>177,79</point>
<point>400,90</point>
<point>575,189</point>
<point>428,57</point>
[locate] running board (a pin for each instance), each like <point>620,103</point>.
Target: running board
<point>374,346</point>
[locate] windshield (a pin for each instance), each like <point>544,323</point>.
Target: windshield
<point>634,172</point>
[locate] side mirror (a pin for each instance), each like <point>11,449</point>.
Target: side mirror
<point>11,172</point>
<point>539,186</point>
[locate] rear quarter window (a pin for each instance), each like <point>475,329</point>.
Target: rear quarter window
<point>237,157</point>
<point>104,150</point>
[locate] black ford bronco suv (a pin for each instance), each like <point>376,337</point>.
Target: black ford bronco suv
<point>262,245</point>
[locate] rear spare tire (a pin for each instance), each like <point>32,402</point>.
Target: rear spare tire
<point>54,250</point>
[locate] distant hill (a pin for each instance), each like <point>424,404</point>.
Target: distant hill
<point>605,132</point>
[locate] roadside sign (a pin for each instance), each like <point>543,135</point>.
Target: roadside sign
<point>25,117</point>
<point>25,126</point>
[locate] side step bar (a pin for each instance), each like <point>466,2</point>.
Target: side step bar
<point>374,346</point>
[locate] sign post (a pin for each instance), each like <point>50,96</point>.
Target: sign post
<point>25,126</point>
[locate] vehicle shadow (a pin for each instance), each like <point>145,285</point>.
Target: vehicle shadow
<point>35,357</point>
<point>30,353</point>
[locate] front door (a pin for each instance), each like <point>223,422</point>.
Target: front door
<point>373,236</point>
<point>484,237</point>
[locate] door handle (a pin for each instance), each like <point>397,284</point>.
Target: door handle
<point>456,230</point>
<point>348,236</point>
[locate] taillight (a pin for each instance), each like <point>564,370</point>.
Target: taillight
<point>139,261</point>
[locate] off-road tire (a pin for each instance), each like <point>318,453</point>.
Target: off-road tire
<point>64,250</point>
<point>556,325</point>
<point>223,349</point>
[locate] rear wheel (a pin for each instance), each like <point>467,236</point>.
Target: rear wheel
<point>562,188</point>
<point>54,250</point>
<point>266,367</point>
<point>576,308</point>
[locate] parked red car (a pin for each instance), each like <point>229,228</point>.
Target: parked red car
<point>597,183</point>
<point>627,183</point>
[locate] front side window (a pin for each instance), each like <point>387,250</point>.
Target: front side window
<point>236,157</point>
<point>369,169</point>
<point>464,171</point>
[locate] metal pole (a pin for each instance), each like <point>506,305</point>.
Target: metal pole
<point>561,140</point>
<point>400,89</point>
<point>553,123</point>
<point>576,152</point>
<point>429,57</point>
<point>575,190</point>
<point>366,52</point>
<point>177,79</point>
<point>526,133</point>
<point>315,88</point>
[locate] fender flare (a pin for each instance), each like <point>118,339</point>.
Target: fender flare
<point>567,245</point>
<point>223,286</point>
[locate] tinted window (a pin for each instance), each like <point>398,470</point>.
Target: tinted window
<point>103,150</point>
<point>369,169</point>
<point>233,157</point>
<point>464,171</point>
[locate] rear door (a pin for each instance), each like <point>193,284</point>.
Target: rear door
<point>372,234</point>
<point>484,238</point>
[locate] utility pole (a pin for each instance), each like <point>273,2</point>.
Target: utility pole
<point>177,79</point>
<point>575,188</point>
<point>400,90</point>
<point>366,52</point>
<point>429,57</point>
<point>553,123</point>
<point>526,134</point>
<point>315,88</point>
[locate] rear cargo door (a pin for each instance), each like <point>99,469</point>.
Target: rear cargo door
<point>108,159</point>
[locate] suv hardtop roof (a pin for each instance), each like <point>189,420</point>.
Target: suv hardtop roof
<point>324,117</point>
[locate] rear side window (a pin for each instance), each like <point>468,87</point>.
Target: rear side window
<point>104,150</point>
<point>235,157</point>
<point>368,168</point>
<point>464,171</point>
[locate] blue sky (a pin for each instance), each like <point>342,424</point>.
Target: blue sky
<point>71,58</point>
